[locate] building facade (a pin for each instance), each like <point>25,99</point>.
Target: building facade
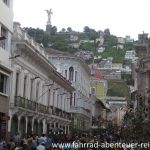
<point>40,96</point>
<point>142,86</point>
<point>99,90</point>
<point>6,29</point>
<point>117,106</point>
<point>77,72</point>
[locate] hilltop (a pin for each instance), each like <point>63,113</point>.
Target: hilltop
<point>87,44</point>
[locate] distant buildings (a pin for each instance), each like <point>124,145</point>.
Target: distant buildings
<point>108,70</point>
<point>130,55</point>
<point>121,43</point>
<point>128,39</point>
<point>117,105</point>
<point>99,90</point>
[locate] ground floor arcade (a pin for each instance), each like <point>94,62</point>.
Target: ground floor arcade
<point>25,123</point>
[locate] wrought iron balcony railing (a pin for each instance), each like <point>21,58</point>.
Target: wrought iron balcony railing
<point>34,106</point>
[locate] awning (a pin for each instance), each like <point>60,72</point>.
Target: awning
<point>55,130</point>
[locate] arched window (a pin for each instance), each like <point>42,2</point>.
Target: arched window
<point>71,72</point>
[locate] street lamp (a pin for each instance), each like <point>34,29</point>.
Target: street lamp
<point>12,57</point>
<point>35,78</point>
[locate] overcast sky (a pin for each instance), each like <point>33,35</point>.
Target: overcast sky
<point>122,17</point>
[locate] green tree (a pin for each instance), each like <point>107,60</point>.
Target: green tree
<point>69,29</point>
<point>63,30</point>
<point>53,30</point>
<point>86,29</point>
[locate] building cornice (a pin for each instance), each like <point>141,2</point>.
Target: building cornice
<point>24,47</point>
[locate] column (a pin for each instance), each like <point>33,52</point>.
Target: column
<point>68,130</point>
<point>54,124</point>
<point>65,129</point>
<point>34,89</point>
<point>40,92</point>
<point>32,125</point>
<point>51,97</point>
<point>19,124</point>
<point>13,86</point>
<point>9,126</point>
<point>44,126</point>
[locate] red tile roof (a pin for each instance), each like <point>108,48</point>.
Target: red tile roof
<point>97,75</point>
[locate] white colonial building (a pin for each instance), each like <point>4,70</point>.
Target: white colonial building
<point>6,29</point>
<point>40,96</point>
<point>77,72</point>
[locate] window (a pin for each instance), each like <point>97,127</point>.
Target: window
<point>76,76</point>
<point>53,98</point>
<point>31,91</point>
<point>25,86</point>
<point>71,99</point>
<point>74,99</point>
<point>66,74</point>
<point>57,101</point>
<point>17,83</point>
<point>93,90</point>
<point>3,83</point>
<point>37,90</point>
<point>71,72</point>
<point>3,34</point>
<point>43,93</point>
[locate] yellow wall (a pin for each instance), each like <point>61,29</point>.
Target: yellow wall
<point>100,89</point>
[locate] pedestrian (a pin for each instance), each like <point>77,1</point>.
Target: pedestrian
<point>34,143</point>
<point>41,146</point>
<point>17,138</point>
<point>17,146</point>
<point>48,144</point>
<point>11,144</point>
<point>1,144</point>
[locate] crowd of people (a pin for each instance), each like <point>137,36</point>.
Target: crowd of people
<point>32,142</point>
<point>45,142</point>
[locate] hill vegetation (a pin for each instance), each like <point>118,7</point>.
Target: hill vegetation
<point>61,40</point>
<point>118,88</point>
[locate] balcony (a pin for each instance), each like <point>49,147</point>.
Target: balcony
<point>80,110</point>
<point>61,113</point>
<point>25,103</point>
<point>37,107</point>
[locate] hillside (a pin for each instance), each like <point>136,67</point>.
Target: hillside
<point>118,88</point>
<point>61,41</point>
